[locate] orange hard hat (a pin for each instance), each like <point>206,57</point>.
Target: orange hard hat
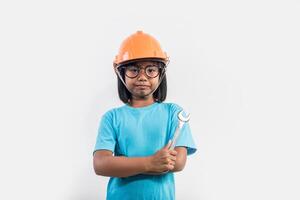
<point>140,46</point>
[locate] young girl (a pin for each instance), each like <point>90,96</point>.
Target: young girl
<point>133,142</point>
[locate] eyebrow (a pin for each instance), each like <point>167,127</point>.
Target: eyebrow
<point>139,65</point>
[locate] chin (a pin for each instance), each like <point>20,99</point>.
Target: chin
<point>143,95</point>
<point>142,92</point>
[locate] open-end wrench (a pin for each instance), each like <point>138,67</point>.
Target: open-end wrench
<point>181,119</point>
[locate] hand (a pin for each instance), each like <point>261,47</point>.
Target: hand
<point>162,161</point>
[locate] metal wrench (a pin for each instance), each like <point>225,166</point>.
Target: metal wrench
<point>182,120</point>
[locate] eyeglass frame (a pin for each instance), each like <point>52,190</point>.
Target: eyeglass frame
<point>160,70</point>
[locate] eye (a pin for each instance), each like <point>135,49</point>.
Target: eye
<point>152,69</point>
<point>132,68</point>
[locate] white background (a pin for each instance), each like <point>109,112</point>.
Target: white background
<point>234,66</point>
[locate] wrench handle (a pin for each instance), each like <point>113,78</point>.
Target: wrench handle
<point>176,134</point>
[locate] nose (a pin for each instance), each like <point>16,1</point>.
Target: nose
<point>142,76</point>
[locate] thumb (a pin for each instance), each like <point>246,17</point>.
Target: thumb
<point>168,145</point>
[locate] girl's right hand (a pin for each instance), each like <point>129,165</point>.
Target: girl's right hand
<point>162,161</point>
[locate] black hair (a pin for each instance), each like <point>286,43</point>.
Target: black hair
<point>159,95</point>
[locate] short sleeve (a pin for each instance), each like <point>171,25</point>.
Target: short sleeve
<point>106,138</point>
<point>185,138</point>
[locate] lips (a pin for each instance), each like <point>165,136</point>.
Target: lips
<point>142,86</point>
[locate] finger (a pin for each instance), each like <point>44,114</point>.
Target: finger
<point>165,154</point>
<point>173,158</point>
<point>170,167</point>
<point>167,161</point>
<point>172,163</point>
<point>166,167</point>
<point>173,152</point>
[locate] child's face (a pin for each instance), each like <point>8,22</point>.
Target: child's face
<point>146,80</point>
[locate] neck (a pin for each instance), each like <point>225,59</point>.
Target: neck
<point>136,103</point>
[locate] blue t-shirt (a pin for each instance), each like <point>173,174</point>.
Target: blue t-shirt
<point>139,132</point>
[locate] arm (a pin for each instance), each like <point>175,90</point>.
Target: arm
<point>105,164</point>
<point>180,159</point>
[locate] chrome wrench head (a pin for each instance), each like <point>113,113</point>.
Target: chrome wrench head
<point>182,117</point>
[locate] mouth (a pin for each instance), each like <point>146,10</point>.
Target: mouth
<point>142,86</point>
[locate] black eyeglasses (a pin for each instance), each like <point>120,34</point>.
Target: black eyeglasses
<point>132,71</point>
